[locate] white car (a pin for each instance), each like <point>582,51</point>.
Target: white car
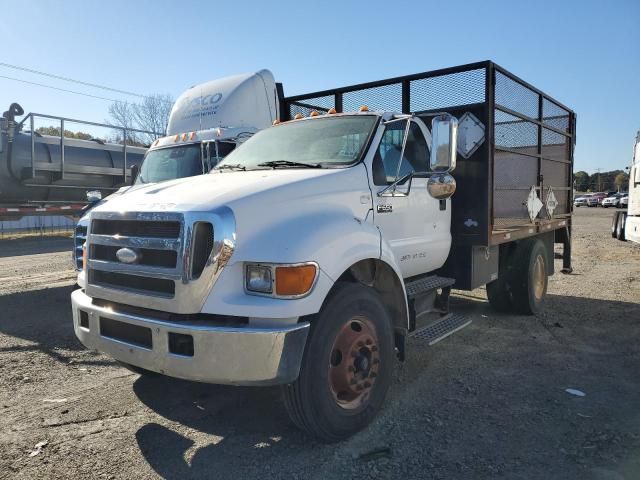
<point>581,201</point>
<point>624,201</point>
<point>611,201</point>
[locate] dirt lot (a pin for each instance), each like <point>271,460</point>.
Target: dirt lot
<point>488,402</point>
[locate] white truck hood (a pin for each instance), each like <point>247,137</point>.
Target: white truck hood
<point>206,192</point>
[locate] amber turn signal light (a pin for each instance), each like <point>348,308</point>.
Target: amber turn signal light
<point>296,280</point>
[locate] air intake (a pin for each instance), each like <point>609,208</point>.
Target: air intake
<point>202,245</point>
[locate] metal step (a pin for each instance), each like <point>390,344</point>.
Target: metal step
<point>426,284</point>
<point>442,328</point>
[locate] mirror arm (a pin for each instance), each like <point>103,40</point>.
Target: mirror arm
<point>390,190</point>
<point>404,145</point>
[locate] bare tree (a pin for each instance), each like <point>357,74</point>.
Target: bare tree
<point>621,181</point>
<point>151,114</point>
<point>121,115</point>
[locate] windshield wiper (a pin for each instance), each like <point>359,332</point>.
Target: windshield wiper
<point>288,163</point>
<point>230,166</point>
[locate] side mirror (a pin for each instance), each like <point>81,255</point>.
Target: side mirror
<point>444,136</point>
<point>94,196</point>
<point>134,173</point>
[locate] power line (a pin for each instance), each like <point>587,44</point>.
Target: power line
<point>60,89</point>
<point>67,79</point>
<point>72,80</point>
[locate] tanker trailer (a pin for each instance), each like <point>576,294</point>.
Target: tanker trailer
<point>41,174</point>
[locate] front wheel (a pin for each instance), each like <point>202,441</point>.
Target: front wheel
<point>347,365</point>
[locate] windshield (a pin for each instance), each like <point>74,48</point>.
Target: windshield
<point>171,163</point>
<point>323,141</point>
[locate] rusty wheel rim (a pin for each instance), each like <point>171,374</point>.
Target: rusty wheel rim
<point>538,277</point>
<point>354,363</point>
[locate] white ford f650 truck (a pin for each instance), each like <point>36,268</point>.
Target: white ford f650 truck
<point>310,254</point>
<point>207,122</point>
<point>626,223</point>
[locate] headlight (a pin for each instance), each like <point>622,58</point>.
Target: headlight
<point>281,280</point>
<point>258,278</point>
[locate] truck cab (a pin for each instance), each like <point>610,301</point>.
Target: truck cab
<point>626,223</point>
<point>207,122</point>
<point>309,254</point>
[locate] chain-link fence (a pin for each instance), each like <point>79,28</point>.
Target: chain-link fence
<point>39,226</point>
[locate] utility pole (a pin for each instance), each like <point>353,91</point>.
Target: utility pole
<point>599,189</point>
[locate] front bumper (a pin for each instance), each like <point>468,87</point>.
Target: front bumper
<point>223,355</point>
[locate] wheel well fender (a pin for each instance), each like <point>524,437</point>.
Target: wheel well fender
<point>386,281</point>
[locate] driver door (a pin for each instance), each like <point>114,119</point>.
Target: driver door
<point>415,225</point>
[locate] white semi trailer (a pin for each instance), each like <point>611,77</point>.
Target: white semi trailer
<point>207,122</point>
<point>309,254</point>
<point>626,223</point>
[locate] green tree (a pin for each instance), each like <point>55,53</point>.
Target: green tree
<point>55,132</point>
<point>581,181</point>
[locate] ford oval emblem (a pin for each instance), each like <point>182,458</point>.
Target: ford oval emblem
<point>127,255</point>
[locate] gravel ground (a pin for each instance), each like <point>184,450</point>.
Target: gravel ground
<point>487,402</point>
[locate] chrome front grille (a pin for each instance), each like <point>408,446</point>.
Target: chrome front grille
<point>170,271</point>
<point>79,237</point>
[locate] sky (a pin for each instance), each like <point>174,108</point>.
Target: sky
<point>586,54</point>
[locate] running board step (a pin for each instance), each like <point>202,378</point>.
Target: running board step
<point>442,328</point>
<point>426,284</point>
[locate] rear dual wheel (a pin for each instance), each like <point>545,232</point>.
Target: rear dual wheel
<point>347,366</point>
<point>523,278</point>
<point>621,219</point>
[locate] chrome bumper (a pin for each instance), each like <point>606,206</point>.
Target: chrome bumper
<point>224,355</point>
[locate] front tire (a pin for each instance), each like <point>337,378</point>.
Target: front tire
<point>347,365</point>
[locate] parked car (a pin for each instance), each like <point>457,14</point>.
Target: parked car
<point>581,201</point>
<point>595,200</point>
<point>612,201</point>
<point>624,201</point>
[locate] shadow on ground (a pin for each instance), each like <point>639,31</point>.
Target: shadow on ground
<point>35,245</point>
<point>40,320</point>
<point>483,416</point>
